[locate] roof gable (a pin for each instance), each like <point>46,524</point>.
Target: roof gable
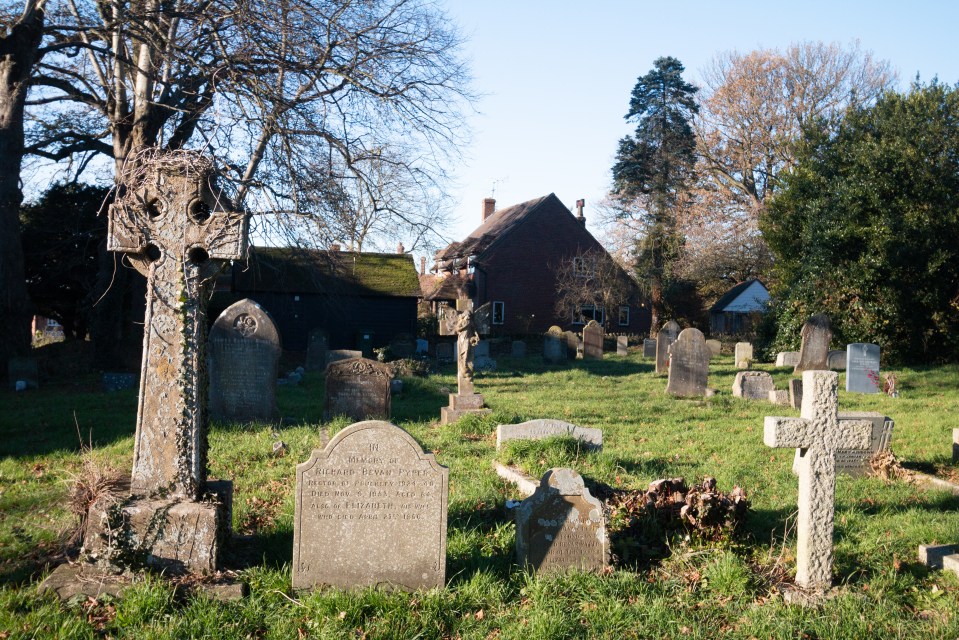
<point>749,295</point>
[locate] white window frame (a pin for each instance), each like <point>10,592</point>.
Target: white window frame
<point>582,267</point>
<point>580,317</point>
<point>502,312</point>
<point>623,308</point>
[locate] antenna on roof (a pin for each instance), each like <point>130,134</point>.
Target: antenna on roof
<point>496,182</point>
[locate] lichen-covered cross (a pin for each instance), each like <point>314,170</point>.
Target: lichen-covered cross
<point>177,231</point>
<point>817,434</point>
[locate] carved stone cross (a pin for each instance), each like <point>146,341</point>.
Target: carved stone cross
<point>177,231</point>
<point>818,434</point>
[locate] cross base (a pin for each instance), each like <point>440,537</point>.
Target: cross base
<point>461,405</point>
<point>174,534</point>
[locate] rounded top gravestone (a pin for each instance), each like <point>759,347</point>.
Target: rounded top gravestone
<point>688,364</point>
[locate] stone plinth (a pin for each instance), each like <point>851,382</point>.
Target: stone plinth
<point>461,405</point>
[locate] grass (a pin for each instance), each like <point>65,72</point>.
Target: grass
<point>729,588</point>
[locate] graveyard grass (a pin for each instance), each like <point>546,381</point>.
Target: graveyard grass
<point>703,589</point>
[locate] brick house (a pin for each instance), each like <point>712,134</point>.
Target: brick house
<point>512,260</point>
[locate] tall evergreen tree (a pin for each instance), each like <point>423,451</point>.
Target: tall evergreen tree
<point>654,166</point>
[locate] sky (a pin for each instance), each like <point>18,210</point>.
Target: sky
<point>555,76</point>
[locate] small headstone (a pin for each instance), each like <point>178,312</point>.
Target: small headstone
<point>787,358</point>
<point>554,347</point>
<point>819,436</point>
<point>649,348</point>
<point>482,349</point>
<point>672,330</point>
<point>111,382</point>
<point>518,349</point>
<point>444,353</point>
<point>855,462</point>
<point>688,364</point>
<point>25,370</point>
<point>358,388</point>
<point>622,345</point>
<point>743,354</point>
<point>862,368</point>
<point>561,526</point>
<point>335,355</point>
<point>370,509</point>
<point>795,393</point>
<point>244,353</point>
<point>662,352</point>
<point>814,352</point>
<point>279,449</point>
<point>779,396</point>
<point>753,385</point>
<point>317,348</point>
<point>422,346</point>
<point>836,360</point>
<point>396,386</point>
<point>543,428</point>
<point>593,341</point>
<point>572,344</point>
<point>481,358</point>
<point>402,346</point>
<point>715,348</point>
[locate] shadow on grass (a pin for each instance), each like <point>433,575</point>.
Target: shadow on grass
<point>420,401</point>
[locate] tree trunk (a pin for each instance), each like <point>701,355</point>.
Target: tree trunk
<point>18,51</point>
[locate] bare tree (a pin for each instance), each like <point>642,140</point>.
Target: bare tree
<point>593,279</point>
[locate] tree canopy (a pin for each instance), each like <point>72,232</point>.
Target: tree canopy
<point>866,227</point>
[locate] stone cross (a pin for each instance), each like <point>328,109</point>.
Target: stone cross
<point>178,232</point>
<point>818,434</point>
<point>469,325</point>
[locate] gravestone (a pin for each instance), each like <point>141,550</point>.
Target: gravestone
<point>422,346</point>
<point>335,355</point>
<point>814,352</point>
<point>688,364</point>
<point>370,510</point>
<point>518,349</point>
<point>622,345</point>
<point>662,352</point>
<point>554,346</point>
<point>177,230</point>
<point>317,350</point>
<point>862,368</point>
<point>855,462</point>
<point>243,353</point>
<point>779,396</point>
<point>836,360</point>
<point>358,388</point>
<point>444,353</point>
<point>753,385</point>
<point>593,341</point>
<point>743,355</point>
<point>561,526</point>
<point>543,428</point>
<point>795,393</point>
<point>671,329</point>
<point>715,348</point>
<point>818,435</point>
<point>402,346</point>
<point>572,344</point>
<point>481,357</point>
<point>23,370</point>
<point>111,382</point>
<point>469,325</point>
<point>787,358</point>
<point>649,348</point>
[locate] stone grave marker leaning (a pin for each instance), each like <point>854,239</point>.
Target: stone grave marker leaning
<point>688,364</point>
<point>358,388</point>
<point>814,352</point>
<point>370,509</point>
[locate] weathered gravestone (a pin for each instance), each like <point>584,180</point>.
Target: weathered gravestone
<point>787,358</point>
<point>779,396</point>
<point>554,346</point>
<point>370,510</point>
<point>23,370</point>
<point>743,355</point>
<point>593,335</point>
<point>836,360</point>
<point>178,231</point>
<point>544,428</point>
<point>855,462</point>
<point>561,526</point>
<point>818,435</point>
<point>672,330</point>
<point>649,348</point>
<point>335,355</point>
<point>622,345</point>
<point>468,325</point>
<point>518,349</point>
<point>662,352</point>
<point>715,348</point>
<point>481,357</point>
<point>244,354</point>
<point>814,352</point>
<point>795,393</point>
<point>688,364</point>
<point>753,385</point>
<point>444,353</point>
<point>317,350</point>
<point>402,346</point>
<point>572,344</point>
<point>358,388</point>
<point>862,367</point>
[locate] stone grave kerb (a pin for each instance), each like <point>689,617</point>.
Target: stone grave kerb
<point>818,434</point>
<point>178,231</point>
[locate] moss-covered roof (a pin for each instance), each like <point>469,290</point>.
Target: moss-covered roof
<point>294,270</point>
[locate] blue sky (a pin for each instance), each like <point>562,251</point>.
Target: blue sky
<point>556,76</point>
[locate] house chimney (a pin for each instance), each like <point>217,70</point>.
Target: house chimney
<point>400,248</point>
<point>422,265</point>
<point>489,206</point>
<point>580,205</point>
<point>335,246</point>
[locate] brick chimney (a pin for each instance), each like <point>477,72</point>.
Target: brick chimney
<point>400,248</point>
<point>422,265</point>
<point>580,205</point>
<point>335,246</point>
<point>489,206</point>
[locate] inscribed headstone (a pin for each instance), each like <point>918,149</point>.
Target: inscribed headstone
<point>25,370</point>
<point>855,462</point>
<point>544,428</point>
<point>662,352</point>
<point>836,360</point>
<point>358,388</point>
<point>370,509</point>
<point>593,341</point>
<point>795,393</point>
<point>753,385</point>
<point>317,349</point>
<point>335,355</point>
<point>672,330</point>
<point>715,348</point>
<point>518,349</point>
<point>862,367</point>
<point>743,355</point>
<point>561,526</point>
<point>572,344</point>
<point>688,364</point>
<point>243,352</point>
<point>649,348</point>
<point>622,345</point>
<point>554,347</point>
<point>787,358</point>
<point>814,352</point>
